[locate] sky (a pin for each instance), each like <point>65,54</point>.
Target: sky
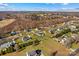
<point>39,6</point>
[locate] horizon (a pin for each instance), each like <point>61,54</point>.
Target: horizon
<point>39,7</point>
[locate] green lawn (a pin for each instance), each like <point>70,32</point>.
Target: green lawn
<point>47,45</point>
<point>74,46</point>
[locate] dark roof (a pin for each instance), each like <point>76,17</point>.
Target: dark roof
<point>32,53</point>
<point>26,38</point>
<point>35,53</point>
<point>13,33</point>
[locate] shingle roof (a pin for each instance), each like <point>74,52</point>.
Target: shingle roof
<point>35,53</point>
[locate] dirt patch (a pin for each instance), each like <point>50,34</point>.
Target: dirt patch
<point>6,22</point>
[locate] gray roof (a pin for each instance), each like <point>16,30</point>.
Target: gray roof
<point>5,45</point>
<point>75,37</point>
<point>26,38</point>
<point>32,53</point>
<point>35,53</point>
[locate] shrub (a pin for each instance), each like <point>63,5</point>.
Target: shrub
<point>2,52</point>
<point>10,49</point>
<point>36,42</point>
<point>63,32</point>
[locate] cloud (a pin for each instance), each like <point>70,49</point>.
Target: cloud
<point>63,8</point>
<point>3,4</point>
<point>51,3</point>
<point>2,7</point>
<point>67,8</point>
<point>65,3</point>
<point>59,3</point>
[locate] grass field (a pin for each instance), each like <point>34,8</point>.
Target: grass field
<point>74,45</point>
<point>47,45</point>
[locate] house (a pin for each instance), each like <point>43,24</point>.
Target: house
<point>36,29</point>
<point>52,31</point>
<point>62,39</point>
<point>26,38</point>
<point>75,37</point>
<point>68,43</point>
<point>73,25</point>
<point>24,30</point>
<point>20,34</point>
<point>6,45</point>
<point>75,52</point>
<point>40,28</point>
<point>57,31</point>
<point>72,28</point>
<point>65,40</point>
<point>35,53</point>
<point>39,33</point>
<point>13,33</point>
<point>29,30</point>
